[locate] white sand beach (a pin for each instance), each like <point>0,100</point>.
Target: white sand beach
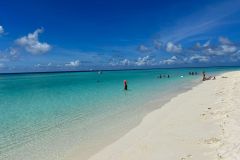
<point>200,124</point>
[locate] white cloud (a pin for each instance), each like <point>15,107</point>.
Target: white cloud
<point>73,64</point>
<point>13,52</point>
<point>211,51</point>
<point>224,40</point>
<point>32,44</point>
<point>198,58</point>
<point>143,49</point>
<point>144,61</point>
<point>228,49</point>
<point>125,62</point>
<point>222,50</point>
<point>43,65</point>
<point>37,65</point>
<point>117,62</point>
<point>113,62</point>
<point>207,44</point>
<point>171,47</point>
<point>172,60</point>
<point>1,30</point>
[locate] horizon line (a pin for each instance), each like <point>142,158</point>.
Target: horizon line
<point>105,70</point>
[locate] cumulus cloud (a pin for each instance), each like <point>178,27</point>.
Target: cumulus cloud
<point>113,62</point>
<point>228,49</point>
<point>32,44</point>
<point>43,65</point>
<point>222,50</point>
<point>224,40</point>
<point>172,60</point>
<point>120,62</point>
<point>73,64</point>
<point>141,61</point>
<point>143,49</point>
<point>125,62</point>
<point>198,58</point>
<point>37,65</point>
<point>171,47</point>
<point>1,30</point>
<point>207,44</point>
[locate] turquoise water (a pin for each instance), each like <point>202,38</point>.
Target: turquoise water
<point>51,116</point>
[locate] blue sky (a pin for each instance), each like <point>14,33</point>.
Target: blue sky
<point>69,35</point>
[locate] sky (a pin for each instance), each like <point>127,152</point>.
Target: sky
<point>53,35</point>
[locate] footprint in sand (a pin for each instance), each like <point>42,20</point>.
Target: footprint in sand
<point>211,140</point>
<point>187,157</point>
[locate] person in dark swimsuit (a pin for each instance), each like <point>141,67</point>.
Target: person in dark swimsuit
<point>125,84</point>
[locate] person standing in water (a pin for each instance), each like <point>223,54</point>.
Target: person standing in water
<point>125,84</point>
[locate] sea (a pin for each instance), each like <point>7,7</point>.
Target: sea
<point>58,116</point>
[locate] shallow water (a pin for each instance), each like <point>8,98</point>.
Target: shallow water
<point>51,116</point>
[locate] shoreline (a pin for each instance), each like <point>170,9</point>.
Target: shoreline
<point>190,132</point>
<point>147,108</point>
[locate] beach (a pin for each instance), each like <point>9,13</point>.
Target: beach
<point>202,123</point>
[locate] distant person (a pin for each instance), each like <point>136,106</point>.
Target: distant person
<point>193,73</point>
<point>160,76</point>
<point>204,76</point>
<point>125,84</point>
<point>214,78</point>
<point>168,76</point>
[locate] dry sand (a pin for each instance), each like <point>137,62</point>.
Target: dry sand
<point>200,124</point>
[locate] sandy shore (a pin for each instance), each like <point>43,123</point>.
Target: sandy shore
<point>200,124</point>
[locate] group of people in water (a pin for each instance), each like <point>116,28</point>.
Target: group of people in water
<point>193,73</point>
<point>163,76</point>
<point>204,78</point>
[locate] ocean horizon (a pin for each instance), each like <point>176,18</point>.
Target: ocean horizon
<point>55,115</point>
<point>106,70</point>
